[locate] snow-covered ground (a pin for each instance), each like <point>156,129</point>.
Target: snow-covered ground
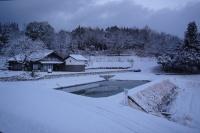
<point>6,73</point>
<point>186,108</point>
<point>35,107</point>
<point>119,62</point>
<point>27,75</point>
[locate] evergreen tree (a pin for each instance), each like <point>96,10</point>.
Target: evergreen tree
<point>187,57</point>
<point>191,36</point>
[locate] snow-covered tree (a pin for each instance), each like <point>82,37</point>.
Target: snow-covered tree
<point>20,49</point>
<point>191,36</point>
<point>7,32</point>
<point>42,31</point>
<point>23,45</point>
<point>112,40</point>
<point>62,43</point>
<point>186,58</point>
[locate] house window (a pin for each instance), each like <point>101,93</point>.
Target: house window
<point>47,67</point>
<point>35,66</point>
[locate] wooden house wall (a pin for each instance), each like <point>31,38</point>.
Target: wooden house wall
<point>75,68</point>
<point>72,61</point>
<point>15,66</point>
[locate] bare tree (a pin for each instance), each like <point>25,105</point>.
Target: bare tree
<point>21,49</point>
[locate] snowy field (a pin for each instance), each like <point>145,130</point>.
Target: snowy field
<point>35,107</point>
<point>119,62</point>
<point>10,74</point>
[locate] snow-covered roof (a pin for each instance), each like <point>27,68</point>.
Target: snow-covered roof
<point>19,57</point>
<point>78,57</point>
<point>51,62</point>
<point>35,56</point>
<point>40,55</point>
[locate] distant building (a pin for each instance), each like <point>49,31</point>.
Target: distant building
<point>75,63</point>
<point>44,60</point>
<point>47,61</point>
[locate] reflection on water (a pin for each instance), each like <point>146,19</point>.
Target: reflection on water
<point>104,88</point>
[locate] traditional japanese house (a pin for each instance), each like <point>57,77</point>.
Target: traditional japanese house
<point>44,60</point>
<point>75,63</point>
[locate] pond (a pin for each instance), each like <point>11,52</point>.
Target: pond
<point>104,88</point>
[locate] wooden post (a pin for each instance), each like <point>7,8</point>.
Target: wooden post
<point>125,96</point>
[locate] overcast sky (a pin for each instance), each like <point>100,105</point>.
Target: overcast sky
<point>169,16</point>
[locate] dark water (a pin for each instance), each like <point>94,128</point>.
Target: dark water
<point>106,88</point>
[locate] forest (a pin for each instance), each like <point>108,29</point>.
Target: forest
<point>112,40</point>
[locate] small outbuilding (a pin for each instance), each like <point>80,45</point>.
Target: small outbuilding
<point>44,60</point>
<point>75,63</point>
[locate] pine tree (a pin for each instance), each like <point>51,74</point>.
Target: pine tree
<point>191,36</point>
<point>187,57</point>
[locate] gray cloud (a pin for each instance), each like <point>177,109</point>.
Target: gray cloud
<point>175,22</point>
<point>67,14</point>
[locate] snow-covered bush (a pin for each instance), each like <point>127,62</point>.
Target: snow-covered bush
<point>187,57</point>
<point>183,61</point>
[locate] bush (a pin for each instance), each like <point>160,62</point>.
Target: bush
<point>185,58</point>
<point>183,61</point>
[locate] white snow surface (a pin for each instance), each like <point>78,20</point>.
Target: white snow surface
<point>10,74</point>
<point>35,107</point>
<point>104,65</point>
<point>7,73</point>
<point>35,110</point>
<point>186,108</point>
<point>121,62</point>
